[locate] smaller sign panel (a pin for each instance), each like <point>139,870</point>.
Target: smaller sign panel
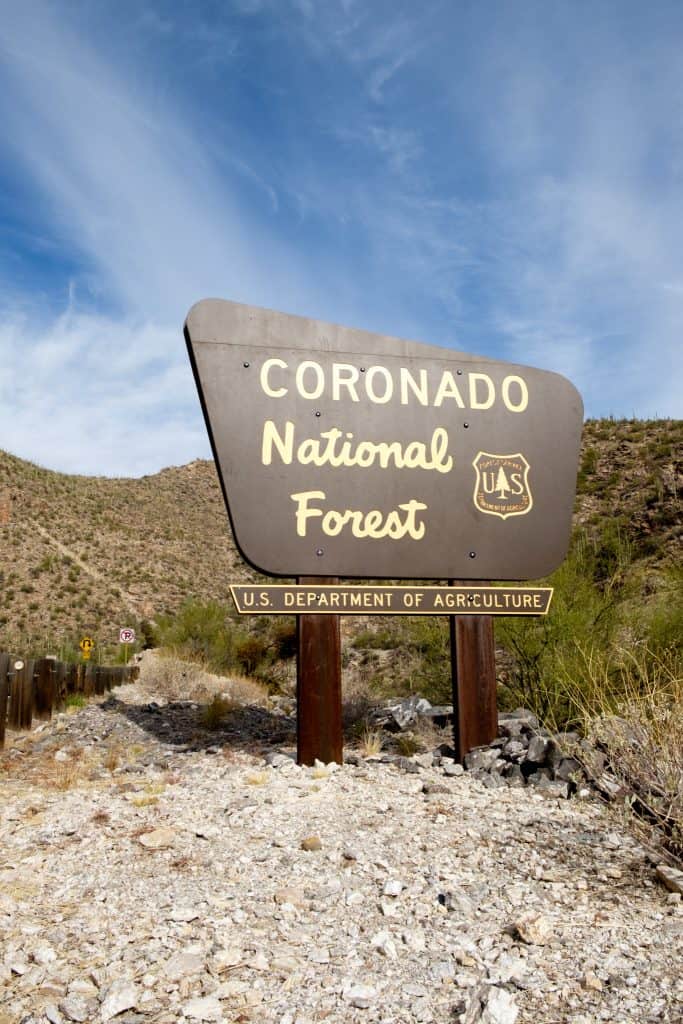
<point>86,645</point>
<point>126,635</point>
<point>349,600</point>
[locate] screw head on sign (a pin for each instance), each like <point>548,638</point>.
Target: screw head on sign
<point>245,365</point>
<point>320,552</point>
<point>473,554</point>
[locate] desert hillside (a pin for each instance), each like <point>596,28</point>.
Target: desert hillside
<point>91,554</point>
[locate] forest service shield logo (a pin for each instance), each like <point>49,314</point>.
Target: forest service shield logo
<point>502,485</point>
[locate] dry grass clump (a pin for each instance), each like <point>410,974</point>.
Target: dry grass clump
<point>166,675</point>
<point>258,779</point>
<point>216,711</point>
<point>371,742</point>
<point>633,713</point>
<point>112,757</point>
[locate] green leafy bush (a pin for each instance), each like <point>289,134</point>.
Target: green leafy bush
<point>211,633</point>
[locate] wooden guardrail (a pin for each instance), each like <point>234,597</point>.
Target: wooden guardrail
<point>35,687</point>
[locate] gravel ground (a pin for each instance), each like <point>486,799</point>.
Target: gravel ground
<point>154,872</point>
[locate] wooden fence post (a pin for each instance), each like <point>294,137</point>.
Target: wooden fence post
<point>99,680</point>
<point>44,688</point>
<point>27,693</point>
<point>61,684</point>
<point>4,695</point>
<point>89,680</point>
<point>318,689</point>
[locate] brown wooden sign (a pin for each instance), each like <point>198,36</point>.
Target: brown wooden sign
<point>351,600</point>
<point>343,453</point>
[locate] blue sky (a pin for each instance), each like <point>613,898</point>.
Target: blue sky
<point>501,178</point>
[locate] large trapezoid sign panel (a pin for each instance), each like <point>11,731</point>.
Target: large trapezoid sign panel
<point>345,453</point>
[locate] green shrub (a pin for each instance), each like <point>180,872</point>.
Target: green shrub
<point>544,649</point>
<point>210,632</point>
<point>599,627</point>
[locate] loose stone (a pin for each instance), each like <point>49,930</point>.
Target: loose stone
<point>122,995</point>
<point>158,839</point>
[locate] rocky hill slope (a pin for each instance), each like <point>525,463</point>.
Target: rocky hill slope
<point>91,554</point>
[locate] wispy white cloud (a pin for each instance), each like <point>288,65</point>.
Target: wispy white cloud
<point>129,182</point>
<point>92,394</point>
<point>510,186</point>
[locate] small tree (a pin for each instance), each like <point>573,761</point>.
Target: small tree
<point>502,484</point>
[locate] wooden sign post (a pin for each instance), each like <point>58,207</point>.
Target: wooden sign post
<point>318,686</point>
<point>473,676</point>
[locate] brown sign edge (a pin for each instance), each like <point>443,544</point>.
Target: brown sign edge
<point>237,588</point>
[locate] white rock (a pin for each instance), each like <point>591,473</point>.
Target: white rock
<point>534,929</point>
<point>44,955</point>
<point>319,956</point>
<point>259,962</point>
<point>182,965</point>
<point>204,1008</point>
<point>501,1007</point>
<point>228,957</point>
<point>121,995</point>
<point>385,944</point>
<point>361,996</point>
<point>354,899</point>
<point>158,839</point>
<point>84,988</point>
<point>392,887</point>
<point>75,1008</point>
<point>183,915</point>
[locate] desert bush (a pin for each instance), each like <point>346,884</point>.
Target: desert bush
<point>173,678</point>
<point>629,703</point>
<point>404,655</point>
<point>200,631</point>
<point>210,633</point>
<point>544,650</point>
<point>216,711</point>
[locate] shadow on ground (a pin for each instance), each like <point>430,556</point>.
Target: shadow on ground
<point>180,724</point>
